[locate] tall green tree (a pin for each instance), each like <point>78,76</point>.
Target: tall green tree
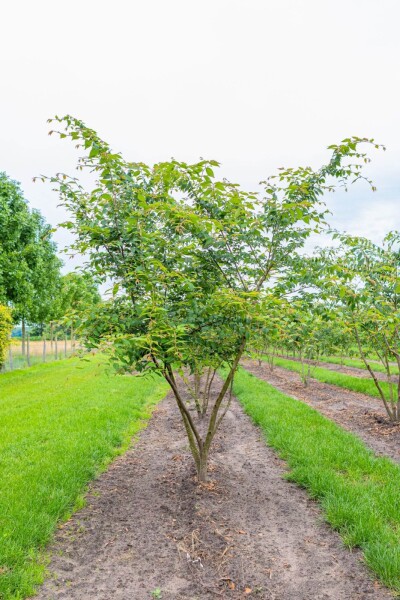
<point>29,266</point>
<point>191,259</point>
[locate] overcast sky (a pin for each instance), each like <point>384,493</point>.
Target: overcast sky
<point>255,84</point>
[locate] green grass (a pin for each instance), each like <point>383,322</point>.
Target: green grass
<point>60,424</point>
<point>359,492</point>
<point>356,362</point>
<point>356,384</point>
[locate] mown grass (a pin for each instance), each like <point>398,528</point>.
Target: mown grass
<point>60,424</point>
<point>358,492</point>
<point>355,384</point>
<point>356,362</point>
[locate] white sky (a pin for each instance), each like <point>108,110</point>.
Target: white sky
<point>255,84</point>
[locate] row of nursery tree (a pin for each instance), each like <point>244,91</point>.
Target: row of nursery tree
<point>204,271</point>
<point>33,290</point>
<point>343,302</point>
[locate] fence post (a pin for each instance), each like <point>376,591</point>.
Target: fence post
<point>65,345</point>
<point>44,348</point>
<point>10,357</point>
<point>28,353</point>
<point>55,346</point>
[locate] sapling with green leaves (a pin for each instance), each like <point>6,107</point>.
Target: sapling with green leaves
<point>191,258</point>
<point>362,279</point>
<point>269,335</point>
<point>306,327</point>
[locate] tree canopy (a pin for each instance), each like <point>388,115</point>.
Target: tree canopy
<point>29,266</point>
<point>192,258</point>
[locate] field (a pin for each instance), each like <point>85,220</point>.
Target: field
<point>61,423</point>
<point>39,352</point>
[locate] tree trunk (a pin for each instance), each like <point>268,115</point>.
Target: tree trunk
<point>23,331</point>
<point>202,466</point>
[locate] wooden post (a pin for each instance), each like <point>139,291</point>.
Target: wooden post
<point>28,354</point>
<point>51,335</point>
<point>55,346</point>
<point>72,339</point>
<point>65,345</point>
<point>10,357</point>
<point>44,348</point>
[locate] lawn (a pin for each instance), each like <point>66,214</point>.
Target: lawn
<point>358,492</point>
<point>60,424</point>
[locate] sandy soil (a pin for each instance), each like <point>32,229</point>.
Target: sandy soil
<point>247,534</point>
<point>359,413</point>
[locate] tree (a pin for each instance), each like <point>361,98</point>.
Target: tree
<point>362,279</point>
<point>269,337</point>
<point>190,258</point>
<point>307,332</point>
<point>14,236</point>
<point>29,266</point>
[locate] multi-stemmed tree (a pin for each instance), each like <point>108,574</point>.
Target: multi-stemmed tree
<point>191,259</point>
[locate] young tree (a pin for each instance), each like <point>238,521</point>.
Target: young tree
<point>190,258</point>
<point>269,336</point>
<point>307,329</point>
<point>363,280</point>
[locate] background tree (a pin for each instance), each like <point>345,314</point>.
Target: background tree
<point>363,281</point>
<point>29,266</point>
<point>191,258</point>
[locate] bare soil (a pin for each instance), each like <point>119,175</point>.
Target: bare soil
<point>246,534</point>
<point>358,413</point>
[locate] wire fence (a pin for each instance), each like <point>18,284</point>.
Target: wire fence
<point>21,355</point>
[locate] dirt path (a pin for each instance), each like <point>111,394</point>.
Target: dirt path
<point>148,525</point>
<point>359,413</point>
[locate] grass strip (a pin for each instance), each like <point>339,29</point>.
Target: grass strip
<point>60,424</point>
<point>349,382</point>
<point>358,492</point>
<point>358,364</point>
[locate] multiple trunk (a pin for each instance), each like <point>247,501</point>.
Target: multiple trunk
<point>201,428</point>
